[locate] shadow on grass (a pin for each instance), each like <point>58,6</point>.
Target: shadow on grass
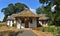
<point>7,33</point>
<point>10,33</point>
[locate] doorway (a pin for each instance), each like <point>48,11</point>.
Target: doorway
<point>26,23</point>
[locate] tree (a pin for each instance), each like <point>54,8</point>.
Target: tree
<point>13,8</point>
<point>42,10</point>
<point>55,15</point>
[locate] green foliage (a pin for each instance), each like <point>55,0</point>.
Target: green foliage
<point>48,29</point>
<point>50,23</point>
<point>43,1</point>
<point>55,16</point>
<point>13,8</point>
<point>42,10</point>
<point>54,30</point>
<point>47,1</point>
<point>51,29</point>
<point>58,31</point>
<point>5,17</point>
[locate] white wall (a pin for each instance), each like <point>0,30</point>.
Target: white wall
<point>23,25</point>
<point>20,25</point>
<point>9,23</point>
<point>33,25</point>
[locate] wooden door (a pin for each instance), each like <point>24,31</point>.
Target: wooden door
<point>26,23</point>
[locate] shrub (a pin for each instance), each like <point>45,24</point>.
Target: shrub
<point>50,23</point>
<point>58,35</point>
<point>48,29</point>
<point>43,29</point>
<point>54,30</point>
<point>58,31</point>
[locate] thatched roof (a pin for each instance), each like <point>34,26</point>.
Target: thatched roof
<point>43,17</point>
<point>14,15</point>
<point>26,13</point>
<point>10,18</point>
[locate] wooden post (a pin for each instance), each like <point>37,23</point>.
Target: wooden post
<point>20,24</point>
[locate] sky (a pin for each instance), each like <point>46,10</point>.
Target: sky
<point>32,4</point>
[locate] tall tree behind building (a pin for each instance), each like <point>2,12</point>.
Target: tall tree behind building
<point>13,8</point>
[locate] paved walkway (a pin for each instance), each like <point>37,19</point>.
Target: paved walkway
<point>25,33</point>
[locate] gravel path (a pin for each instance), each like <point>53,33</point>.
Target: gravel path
<point>25,33</point>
